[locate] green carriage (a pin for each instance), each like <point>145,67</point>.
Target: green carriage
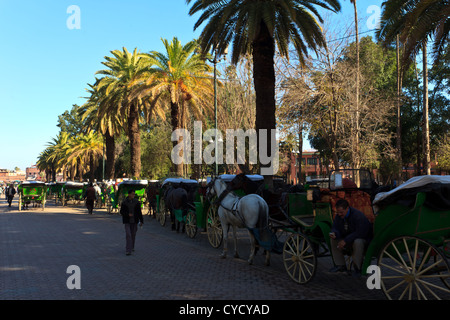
<point>410,244</point>
<point>153,190</point>
<point>191,219</point>
<point>55,190</point>
<point>116,197</point>
<point>73,191</point>
<point>32,192</point>
<point>110,198</point>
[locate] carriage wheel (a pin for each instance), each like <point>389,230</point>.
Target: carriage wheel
<point>412,268</point>
<point>191,224</point>
<point>214,227</point>
<point>161,213</point>
<point>299,257</point>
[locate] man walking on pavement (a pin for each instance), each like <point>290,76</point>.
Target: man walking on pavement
<point>90,198</point>
<point>10,192</point>
<point>130,210</point>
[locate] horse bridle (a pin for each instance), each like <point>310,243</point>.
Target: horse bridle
<point>218,201</point>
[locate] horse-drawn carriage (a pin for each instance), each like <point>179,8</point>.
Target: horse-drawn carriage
<point>72,191</point>
<point>116,197</point>
<point>409,242</point>
<point>152,196</point>
<point>175,199</point>
<point>32,192</point>
<point>55,190</point>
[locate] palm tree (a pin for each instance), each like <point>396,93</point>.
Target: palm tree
<point>45,164</point>
<point>126,70</point>
<point>181,79</point>
<point>86,149</point>
<point>256,27</point>
<point>109,124</point>
<point>57,153</point>
<point>414,22</point>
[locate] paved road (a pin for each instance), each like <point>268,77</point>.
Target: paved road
<point>37,247</point>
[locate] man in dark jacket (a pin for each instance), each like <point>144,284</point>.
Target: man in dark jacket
<point>90,198</point>
<point>130,210</point>
<point>10,192</point>
<point>351,231</point>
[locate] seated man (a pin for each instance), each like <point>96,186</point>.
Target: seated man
<point>351,230</point>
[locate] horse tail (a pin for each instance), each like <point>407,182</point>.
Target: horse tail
<point>263,213</point>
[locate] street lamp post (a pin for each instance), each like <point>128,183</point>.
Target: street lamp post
<point>103,171</point>
<point>214,62</point>
<point>215,109</point>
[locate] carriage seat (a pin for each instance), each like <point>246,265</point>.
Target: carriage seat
<point>304,220</point>
<point>357,199</point>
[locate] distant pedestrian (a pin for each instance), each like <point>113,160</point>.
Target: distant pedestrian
<point>11,191</point>
<point>90,197</point>
<point>130,210</point>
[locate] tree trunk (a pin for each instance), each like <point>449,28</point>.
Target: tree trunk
<point>300,152</point>
<point>175,121</point>
<point>92,169</point>
<point>110,156</point>
<point>80,170</point>
<point>264,80</point>
<point>356,157</point>
<point>399,122</point>
<point>135,141</point>
<point>426,130</point>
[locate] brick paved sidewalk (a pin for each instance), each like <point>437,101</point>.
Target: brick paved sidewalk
<point>37,247</point>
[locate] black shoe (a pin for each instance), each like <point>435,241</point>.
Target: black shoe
<point>336,269</point>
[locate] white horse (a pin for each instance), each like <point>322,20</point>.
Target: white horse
<point>250,211</point>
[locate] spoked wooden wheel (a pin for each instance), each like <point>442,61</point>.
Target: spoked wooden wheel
<point>412,268</point>
<point>191,224</point>
<point>299,257</point>
<point>161,212</point>
<point>214,227</point>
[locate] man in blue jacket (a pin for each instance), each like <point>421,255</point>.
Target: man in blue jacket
<point>351,230</point>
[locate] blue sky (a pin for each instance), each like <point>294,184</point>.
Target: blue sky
<point>45,66</point>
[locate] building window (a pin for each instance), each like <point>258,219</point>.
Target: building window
<point>312,161</point>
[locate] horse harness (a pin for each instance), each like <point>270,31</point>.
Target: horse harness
<point>233,209</point>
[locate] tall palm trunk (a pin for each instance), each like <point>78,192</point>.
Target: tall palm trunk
<point>426,131</point>
<point>110,155</point>
<point>91,168</point>
<point>135,141</point>
<point>175,121</point>
<point>80,170</point>
<point>399,114</point>
<point>264,80</point>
